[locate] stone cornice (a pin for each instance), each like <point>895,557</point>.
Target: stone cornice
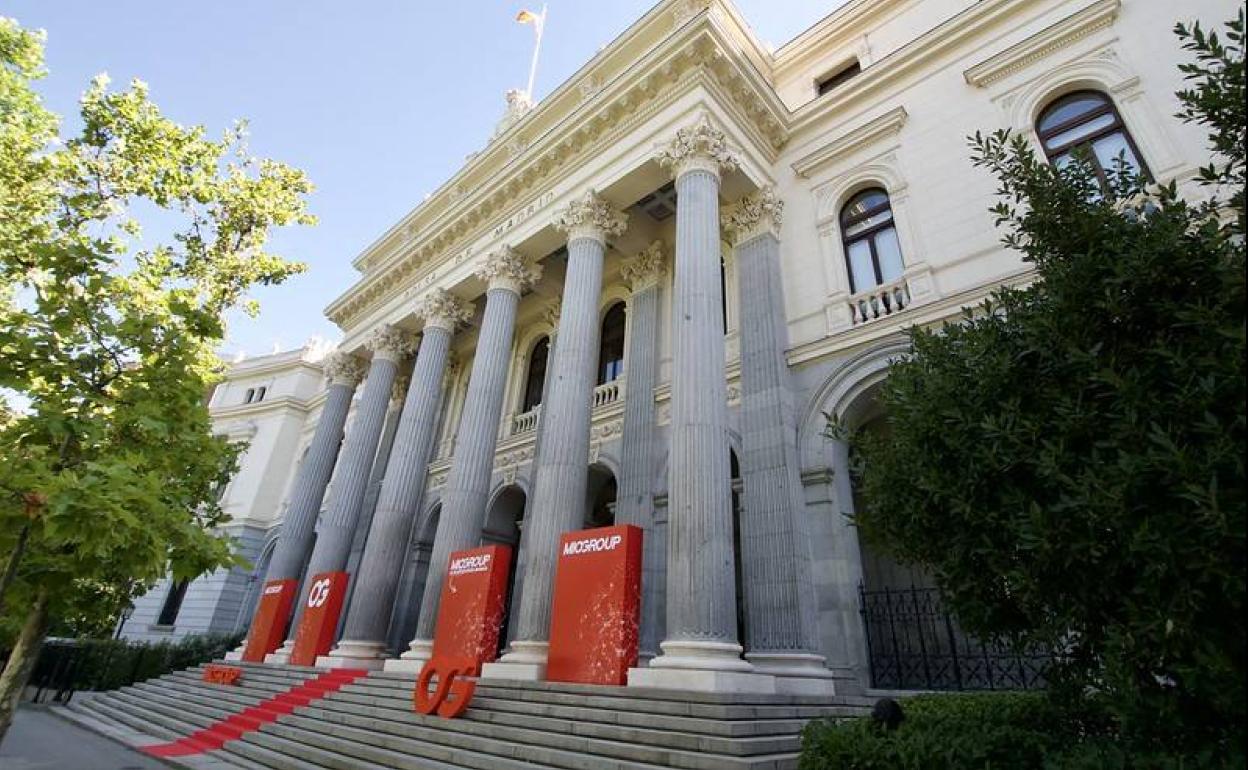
<point>872,131</point>
<point>835,30</point>
<point>591,217</point>
<point>1080,24</point>
<point>478,198</point>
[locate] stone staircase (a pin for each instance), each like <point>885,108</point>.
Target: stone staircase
<point>370,724</point>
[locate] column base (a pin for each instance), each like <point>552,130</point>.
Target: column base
<point>411,662</point>
<point>282,656</point>
<point>354,654</point>
<point>701,666</point>
<point>796,673</point>
<point>236,654</point>
<point>524,661</point>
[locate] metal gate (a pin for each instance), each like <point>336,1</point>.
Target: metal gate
<point>915,644</point>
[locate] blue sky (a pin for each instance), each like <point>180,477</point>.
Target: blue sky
<point>378,101</point>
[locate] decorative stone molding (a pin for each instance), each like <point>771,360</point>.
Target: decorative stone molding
<point>390,342</point>
<point>1080,24</point>
<point>756,214</point>
<point>342,368</point>
<point>700,147</point>
<point>552,312</point>
<point>398,391</point>
<point>646,269</point>
<point>508,269</point>
<point>443,310</point>
<point>877,129</point>
<point>591,217</point>
<point>684,11</point>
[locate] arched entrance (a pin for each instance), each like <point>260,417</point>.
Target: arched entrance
<point>600,493</point>
<point>255,582</point>
<point>504,522</point>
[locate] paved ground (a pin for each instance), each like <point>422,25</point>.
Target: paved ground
<point>38,740</point>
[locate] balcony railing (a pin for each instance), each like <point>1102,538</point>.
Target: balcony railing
<point>525,421</point>
<point>879,302</point>
<point>607,393</point>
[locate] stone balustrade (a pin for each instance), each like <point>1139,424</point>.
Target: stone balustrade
<point>608,393</point>
<point>879,302</point>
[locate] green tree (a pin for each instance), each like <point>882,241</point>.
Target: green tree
<point>108,464</point>
<point>1068,459</point>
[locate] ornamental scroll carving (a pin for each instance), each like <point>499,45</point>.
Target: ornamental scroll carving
<point>508,269</point>
<point>646,268</point>
<point>697,147</point>
<point>342,368</point>
<point>390,342</point>
<point>443,310</point>
<point>591,217</point>
<point>756,214</point>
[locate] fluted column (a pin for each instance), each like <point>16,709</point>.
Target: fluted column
<point>635,497</point>
<point>781,633</point>
<point>468,485</point>
<point>363,641</point>
<point>562,473</point>
<point>344,372</point>
<point>701,650</point>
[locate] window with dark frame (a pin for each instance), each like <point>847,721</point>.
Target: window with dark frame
<point>535,378</point>
<point>611,347</point>
<point>173,603</point>
<point>260,393</point>
<point>251,393</point>
<point>838,78</point>
<point>1088,121</point>
<point>869,235</point>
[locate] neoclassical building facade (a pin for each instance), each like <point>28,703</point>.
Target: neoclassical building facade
<point>643,298</point>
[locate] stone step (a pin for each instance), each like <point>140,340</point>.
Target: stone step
<point>107,713</point>
<point>404,751</point>
<point>256,683</point>
<point>235,696</point>
<point>484,722</point>
<point>277,754</point>
<point>182,703</point>
<point>174,713</point>
<point>144,719</point>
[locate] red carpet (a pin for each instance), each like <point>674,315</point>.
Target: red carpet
<point>235,726</point>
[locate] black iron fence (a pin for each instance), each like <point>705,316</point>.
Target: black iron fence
<point>65,666</point>
<point>915,644</point>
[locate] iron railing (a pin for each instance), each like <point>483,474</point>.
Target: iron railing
<point>913,643</point>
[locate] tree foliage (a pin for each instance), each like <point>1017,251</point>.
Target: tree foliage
<point>1068,459</point>
<point>108,465</point>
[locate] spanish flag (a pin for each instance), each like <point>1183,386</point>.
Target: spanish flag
<point>528,17</point>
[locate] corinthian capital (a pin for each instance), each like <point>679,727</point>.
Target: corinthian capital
<point>443,310</point>
<point>700,147</point>
<point>645,269</point>
<point>591,217</point>
<point>756,214</point>
<point>508,269</point>
<point>342,368</point>
<point>390,342</point>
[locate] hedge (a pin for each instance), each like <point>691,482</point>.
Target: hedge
<point>995,731</point>
<point>106,664</point>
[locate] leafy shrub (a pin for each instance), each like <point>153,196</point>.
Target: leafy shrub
<point>990,731</point>
<point>106,664</point>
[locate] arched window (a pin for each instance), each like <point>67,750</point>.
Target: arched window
<point>872,250</point>
<point>536,377</point>
<point>251,392</point>
<point>1087,120</point>
<point>260,393</point>
<point>611,348</point>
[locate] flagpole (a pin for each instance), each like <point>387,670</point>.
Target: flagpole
<point>537,49</point>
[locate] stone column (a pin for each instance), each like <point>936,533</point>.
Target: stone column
<point>635,497</point>
<point>294,542</point>
<point>562,473</point>
<point>468,485</point>
<point>701,651</point>
<point>363,642</point>
<point>781,630</point>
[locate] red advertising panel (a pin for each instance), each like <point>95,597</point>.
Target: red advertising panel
<point>268,625</point>
<point>597,604</point>
<point>471,610</point>
<point>319,624</point>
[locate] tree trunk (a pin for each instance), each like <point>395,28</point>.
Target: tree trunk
<point>22,660</point>
<point>15,558</point>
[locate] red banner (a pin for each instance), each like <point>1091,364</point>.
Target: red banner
<point>268,625</point>
<point>319,624</point>
<point>470,613</point>
<point>596,607</point>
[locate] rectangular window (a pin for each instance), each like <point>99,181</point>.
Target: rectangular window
<point>173,603</point>
<point>838,78</point>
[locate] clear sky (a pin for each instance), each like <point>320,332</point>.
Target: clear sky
<point>378,100</point>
